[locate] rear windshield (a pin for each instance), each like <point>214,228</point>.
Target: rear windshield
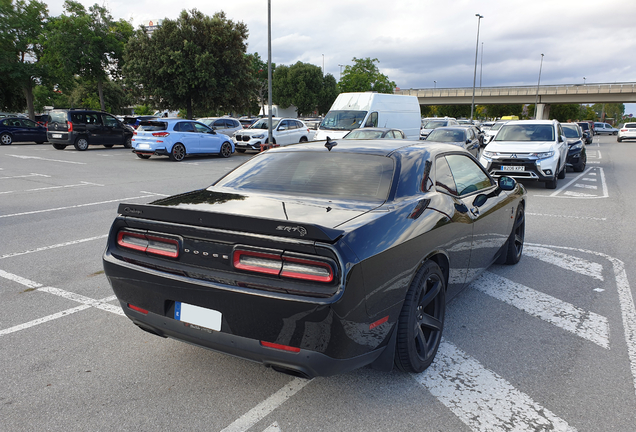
<point>264,124</point>
<point>324,175</point>
<point>152,126</point>
<point>630,125</point>
<point>57,117</point>
<point>435,124</point>
<point>525,132</point>
<point>584,126</point>
<point>447,135</point>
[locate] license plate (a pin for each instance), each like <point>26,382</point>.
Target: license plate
<point>56,135</point>
<point>512,168</point>
<point>203,317</point>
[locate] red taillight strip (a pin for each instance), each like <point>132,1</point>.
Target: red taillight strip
<point>138,309</point>
<point>151,244</point>
<point>328,277</point>
<point>160,134</point>
<point>236,258</point>
<point>280,347</point>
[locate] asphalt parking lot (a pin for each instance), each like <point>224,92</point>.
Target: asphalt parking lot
<point>549,344</point>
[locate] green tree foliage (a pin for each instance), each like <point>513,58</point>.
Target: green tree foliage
<point>497,111</point>
<point>607,111</point>
<point>456,111</point>
<point>195,61</point>
<point>88,44</point>
<point>328,94</point>
<point>363,76</point>
<point>259,75</point>
<point>301,85</point>
<point>565,112</point>
<point>21,24</point>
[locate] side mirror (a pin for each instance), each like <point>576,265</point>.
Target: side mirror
<point>506,183</point>
<point>282,128</point>
<point>468,141</point>
<point>480,200</point>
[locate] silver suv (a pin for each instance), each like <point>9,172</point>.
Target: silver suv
<point>528,149</point>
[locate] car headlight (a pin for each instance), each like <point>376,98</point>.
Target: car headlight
<point>544,155</point>
<point>577,145</point>
<point>489,154</point>
<point>259,136</point>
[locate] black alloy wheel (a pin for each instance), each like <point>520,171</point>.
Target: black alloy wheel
<point>143,156</point>
<point>81,143</point>
<point>59,146</point>
<point>516,239</point>
<point>6,139</point>
<point>178,152</point>
<point>421,321</point>
<point>226,150</point>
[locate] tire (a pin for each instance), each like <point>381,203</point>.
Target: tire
<point>143,156</point>
<point>514,245</point>
<point>581,165</point>
<point>6,139</point>
<point>226,150</point>
<point>108,145</point>
<point>59,146</point>
<point>561,174</point>
<point>81,143</point>
<point>128,142</point>
<point>303,139</point>
<point>240,150</point>
<point>552,184</point>
<point>421,321</point>
<point>615,133</point>
<point>178,152</point>
<point>618,139</point>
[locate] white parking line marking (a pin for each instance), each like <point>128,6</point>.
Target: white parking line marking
<point>22,281</point>
<point>83,299</point>
<point>626,299</point>
<point>54,187</point>
<point>43,320</point>
<point>585,186</point>
<point>482,399</point>
<point>578,194</point>
<point>593,162</point>
<point>567,216</point>
<point>25,176</point>
<point>75,206</point>
<point>585,324</point>
<point>263,409</point>
<point>575,195</point>
<point>274,427</point>
<point>565,261</point>
<point>59,245</point>
<point>45,159</point>
<point>589,179</point>
<point>154,193</point>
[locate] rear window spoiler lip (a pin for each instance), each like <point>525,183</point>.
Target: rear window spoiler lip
<point>280,228</point>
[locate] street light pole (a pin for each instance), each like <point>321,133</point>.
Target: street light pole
<point>269,71</point>
<point>481,64</point>
<point>536,101</point>
<point>340,72</point>
<point>434,84</point>
<point>472,106</point>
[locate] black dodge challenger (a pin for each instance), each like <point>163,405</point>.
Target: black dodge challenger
<point>318,258</point>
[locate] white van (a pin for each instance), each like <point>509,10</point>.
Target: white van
<point>369,109</point>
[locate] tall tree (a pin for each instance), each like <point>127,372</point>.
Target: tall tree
<point>605,111</point>
<point>300,85</point>
<point>89,44</point>
<point>363,76</point>
<point>21,24</point>
<point>328,94</point>
<point>195,61</point>
<point>259,75</point>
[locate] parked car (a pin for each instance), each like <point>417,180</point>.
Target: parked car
<point>285,131</point>
<point>375,133</point>
<point>42,119</point>
<point>604,128</point>
<point>588,131</point>
<point>82,128</point>
<point>14,129</point>
<point>178,138</point>
<point>477,130</point>
<point>492,132</point>
<point>628,131</point>
<point>457,135</point>
<point>435,123</point>
<point>247,121</point>
<point>133,121</point>
<point>225,125</point>
<point>318,259</point>
<point>528,149</point>
<point>577,156</point>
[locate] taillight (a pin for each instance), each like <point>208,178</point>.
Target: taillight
<point>623,130</point>
<point>284,266</point>
<point>69,126</point>
<point>148,243</point>
<point>160,134</point>
<point>135,133</point>
<point>138,309</point>
<point>280,347</point>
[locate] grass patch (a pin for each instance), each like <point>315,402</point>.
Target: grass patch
<point>28,290</point>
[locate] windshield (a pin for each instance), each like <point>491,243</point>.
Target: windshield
<point>57,117</point>
<point>446,135</point>
<point>496,126</point>
<point>571,132</point>
<point>435,124</point>
<point>343,120</point>
<point>364,134</point>
<point>526,132</point>
<point>152,126</point>
<point>325,174</point>
<point>264,124</point>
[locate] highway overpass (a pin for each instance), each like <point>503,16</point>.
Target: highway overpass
<point>548,94</point>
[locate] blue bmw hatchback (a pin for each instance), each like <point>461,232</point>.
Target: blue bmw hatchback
<point>16,129</point>
<point>177,138</point>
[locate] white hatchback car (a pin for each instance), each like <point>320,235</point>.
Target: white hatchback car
<point>528,149</point>
<point>628,131</point>
<point>285,131</point>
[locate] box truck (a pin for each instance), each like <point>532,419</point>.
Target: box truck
<point>369,109</point>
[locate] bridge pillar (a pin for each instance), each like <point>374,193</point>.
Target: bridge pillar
<point>543,112</point>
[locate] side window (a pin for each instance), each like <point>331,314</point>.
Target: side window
<point>185,127</point>
<point>297,124</point>
<point>372,121</point>
<point>469,177</point>
<point>200,128</point>
<point>283,124</point>
<point>219,124</point>
<point>78,118</point>
<point>443,178</point>
<point>93,119</point>
<point>235,124</point>
<point>29,123</point>
<point>109,120</point>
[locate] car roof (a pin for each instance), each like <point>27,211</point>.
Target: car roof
<point>531,122</point>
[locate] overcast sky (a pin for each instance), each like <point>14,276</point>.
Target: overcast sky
<point>422,41</point>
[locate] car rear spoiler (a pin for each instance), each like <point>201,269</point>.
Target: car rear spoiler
<point>280,228</point>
